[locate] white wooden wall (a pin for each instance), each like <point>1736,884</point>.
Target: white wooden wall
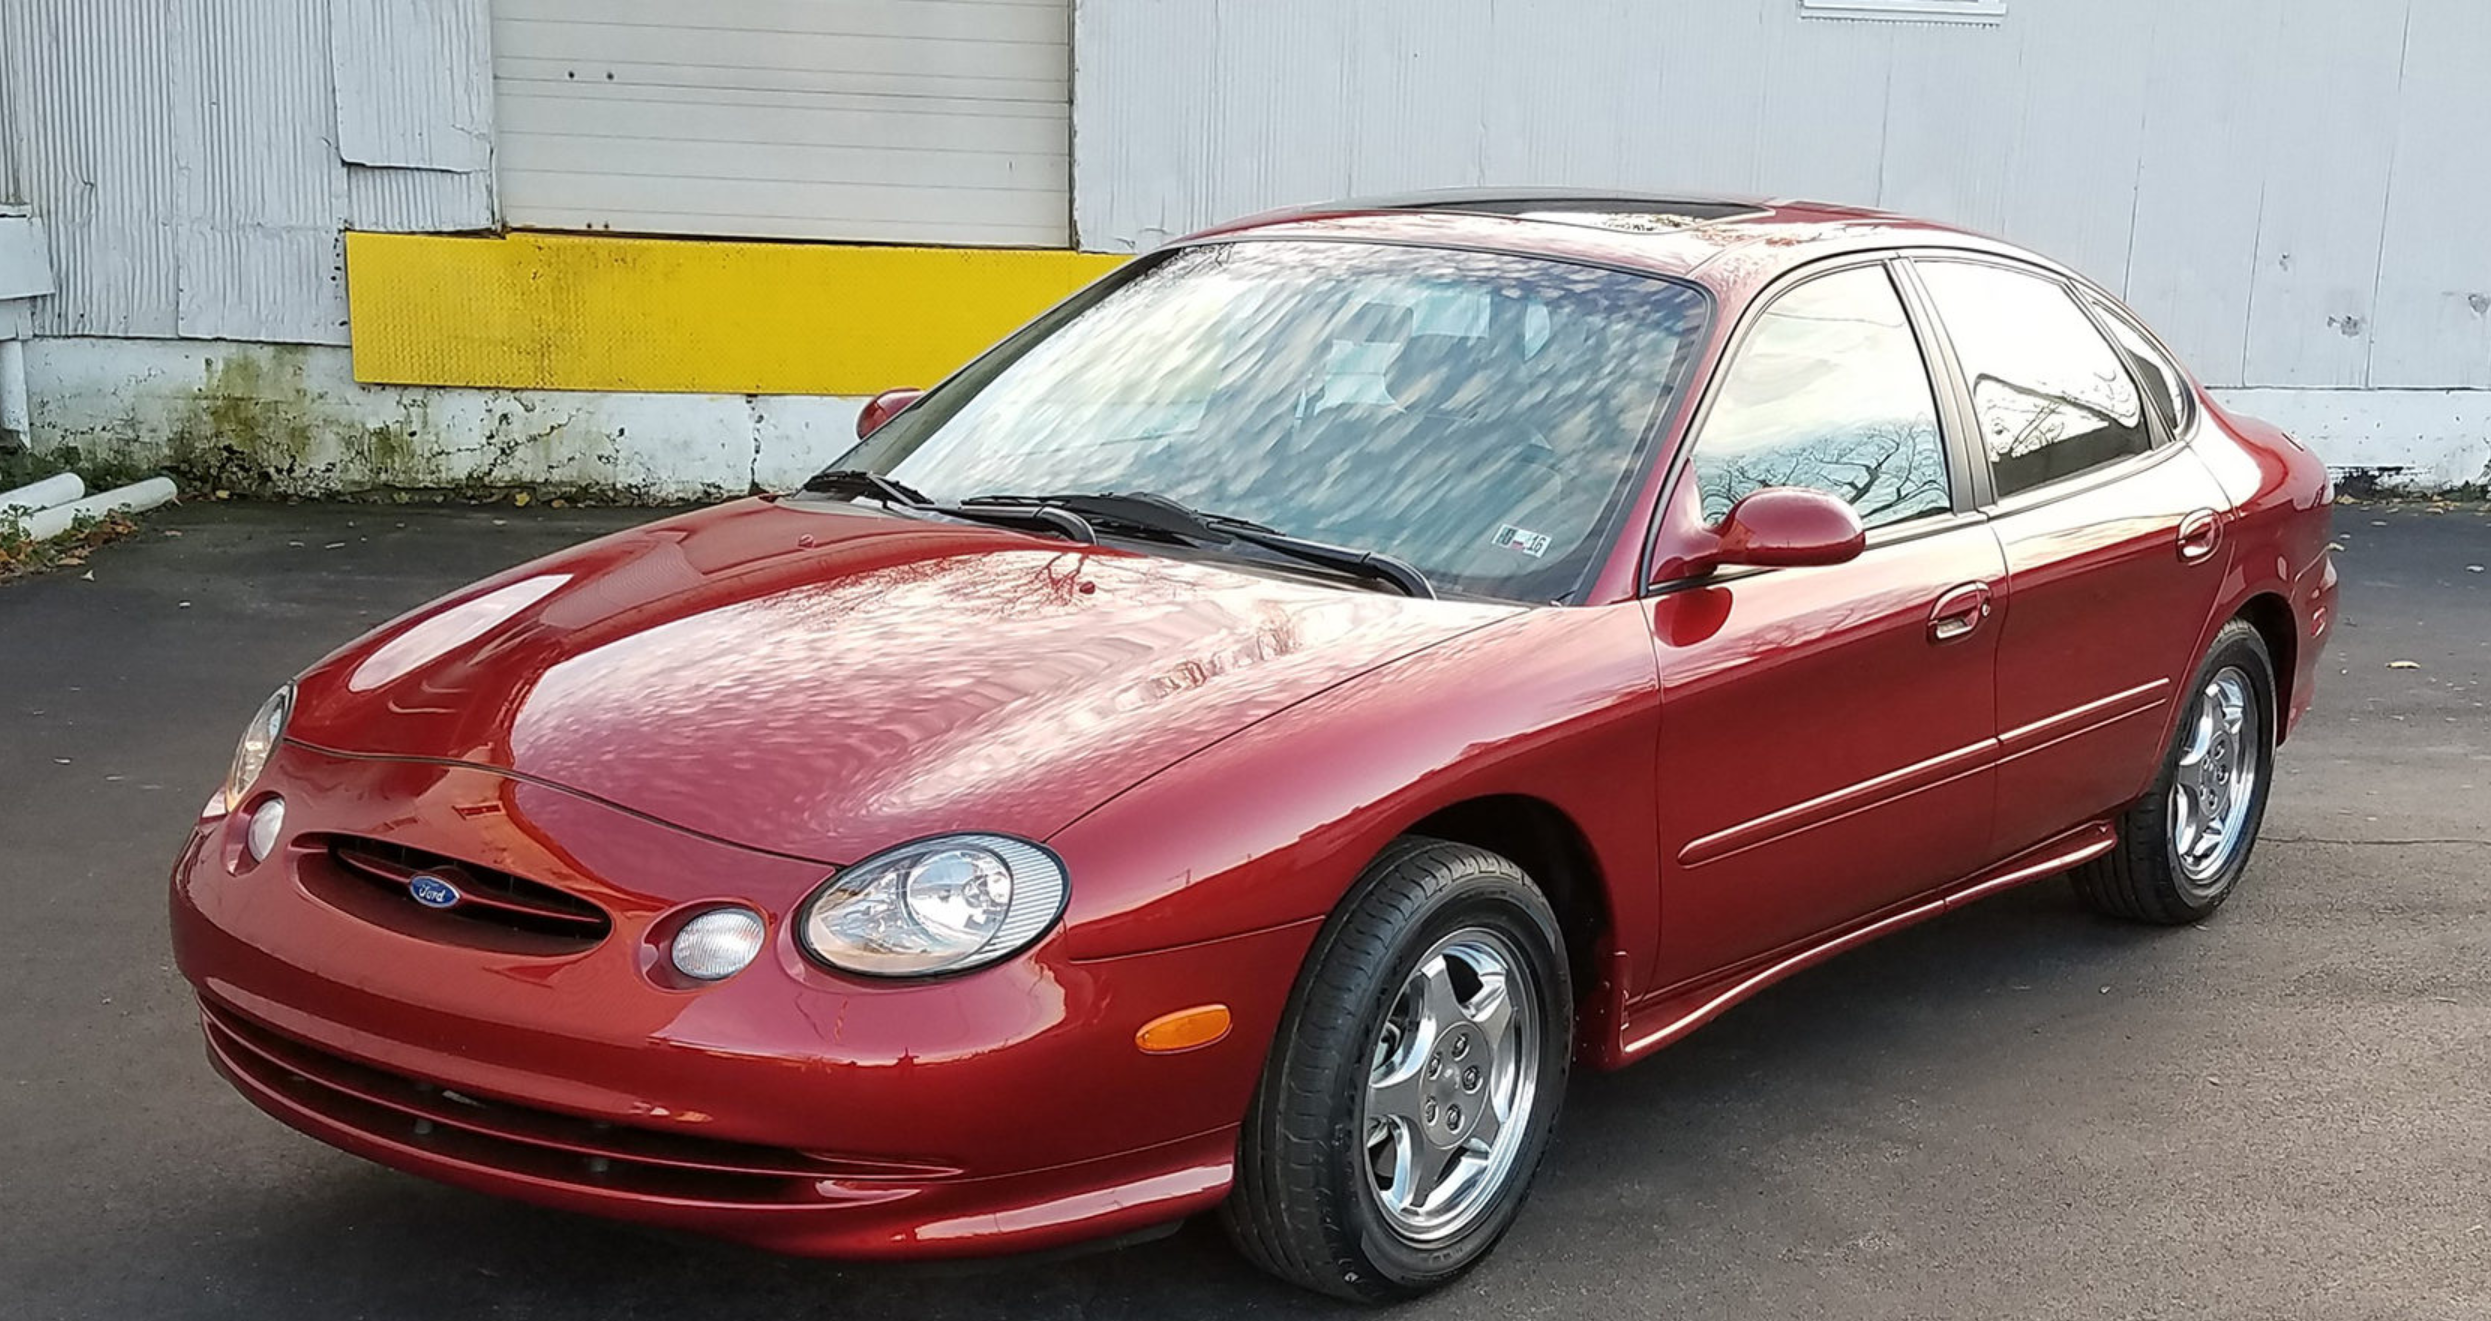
<point>2294,191</point>
<point>929,121</point>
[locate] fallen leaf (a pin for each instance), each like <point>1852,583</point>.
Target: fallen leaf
<point>334,545</point>
<point>87,577</point>
<point>2332,545</point>
<point>2473,568</point>
<point>519,499</point>
<point>2404,665</point>
<point>224,495</point>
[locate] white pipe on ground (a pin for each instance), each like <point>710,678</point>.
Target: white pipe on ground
<point>59,490</point>
<point>131,499</point>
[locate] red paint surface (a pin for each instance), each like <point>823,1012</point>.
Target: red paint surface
<point>1762,766</point>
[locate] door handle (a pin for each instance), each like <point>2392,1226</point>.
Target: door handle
<point>1958,612</point>
<point>2200,533</point>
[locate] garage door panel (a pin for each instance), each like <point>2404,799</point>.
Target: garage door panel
<point>895,126</point>
<point>938,121</point>
<point>676,83</point>
<point>1038,21</point>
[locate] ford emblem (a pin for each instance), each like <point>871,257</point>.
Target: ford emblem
<point>431,891</point>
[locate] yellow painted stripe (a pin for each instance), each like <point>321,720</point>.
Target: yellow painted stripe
<point>593,312</point>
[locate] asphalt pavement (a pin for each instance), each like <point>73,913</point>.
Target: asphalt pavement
<point>2020,1111</point>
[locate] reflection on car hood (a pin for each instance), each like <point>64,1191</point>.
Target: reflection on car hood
<point>825,681</point>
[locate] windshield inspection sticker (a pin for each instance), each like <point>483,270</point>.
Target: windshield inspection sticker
<point>1533,544</point>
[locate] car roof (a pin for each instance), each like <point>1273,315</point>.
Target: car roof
<point>1733,244</point>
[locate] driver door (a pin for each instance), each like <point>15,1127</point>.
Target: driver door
<point>1826,746</point>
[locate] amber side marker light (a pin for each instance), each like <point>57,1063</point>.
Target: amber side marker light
<point>1186,1029</point>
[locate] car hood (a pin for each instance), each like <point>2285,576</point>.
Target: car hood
<point>824,680</point>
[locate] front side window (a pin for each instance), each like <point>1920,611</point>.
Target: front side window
<point>1476,414</point>
<point>1828,391</point>
<point>2051,396</point>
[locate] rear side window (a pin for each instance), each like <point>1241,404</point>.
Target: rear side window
<point>2156,372</point>
<point>2051,396</point>
<point>1828,391</point>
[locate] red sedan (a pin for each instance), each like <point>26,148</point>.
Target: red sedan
<point>1236,744</point>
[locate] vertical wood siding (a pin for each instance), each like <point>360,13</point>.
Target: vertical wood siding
<point>2292,192</point>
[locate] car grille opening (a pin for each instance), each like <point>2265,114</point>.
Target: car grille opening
<point>494,909</point>
<point>538,1144</point>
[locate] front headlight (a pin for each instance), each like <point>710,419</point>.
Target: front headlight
<point>259,742</point>
<point>938,905</point>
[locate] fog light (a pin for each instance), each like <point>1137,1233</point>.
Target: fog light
<point>266,821</point>
<point>717,944</point>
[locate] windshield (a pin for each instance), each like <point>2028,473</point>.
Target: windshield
<point>1478,415</point>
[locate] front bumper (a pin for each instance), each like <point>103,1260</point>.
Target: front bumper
<point>788,1107</point>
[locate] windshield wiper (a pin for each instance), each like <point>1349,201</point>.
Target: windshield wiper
<point>851,483</point>
<point>1148,511</point>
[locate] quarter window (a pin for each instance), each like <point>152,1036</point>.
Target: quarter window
<point>2154,368</point>
<point>2051,396</point>
<point>1829,391</point>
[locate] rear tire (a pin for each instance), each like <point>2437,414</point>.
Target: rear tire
<point>2183,846</point>
<point>1414,1081</point>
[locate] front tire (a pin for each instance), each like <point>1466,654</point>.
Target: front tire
<point>1414,1081</point>
<point>2183,846</point>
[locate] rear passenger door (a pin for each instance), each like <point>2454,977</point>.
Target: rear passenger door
<point>2112,536</point>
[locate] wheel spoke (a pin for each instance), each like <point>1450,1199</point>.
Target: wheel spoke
<point>1401,1192</point>
<point>1491,1121</point>
<point>1425,1166</point>
<point>1439,1006</point>
<point>1492,1011</point>
<point>1398,1093</point>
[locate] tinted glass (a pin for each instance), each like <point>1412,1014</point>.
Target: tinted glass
<point>2156,372</point>
<point>1828,391</point>
<point>1476,414</point>
<point>2051,397</point>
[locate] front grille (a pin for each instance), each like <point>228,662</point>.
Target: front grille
<point>548,920</point>
<point>540,1144</point>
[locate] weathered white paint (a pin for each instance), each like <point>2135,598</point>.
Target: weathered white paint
<point>2289,192</point>
<point>941,121</point>
<point>185,154</point>
<point>296,413</point>
<point>414,83</point>
<point>2423,440</point>
<point>25,269</point>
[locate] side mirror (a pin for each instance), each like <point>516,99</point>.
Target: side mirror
<point>1775,525</point>
<point>882,408</point>
<point>1790,525</point>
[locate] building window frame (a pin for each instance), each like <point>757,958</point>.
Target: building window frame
<point>1985,12</point>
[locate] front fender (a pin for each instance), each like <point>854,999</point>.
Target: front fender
<point>1271,825</point>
